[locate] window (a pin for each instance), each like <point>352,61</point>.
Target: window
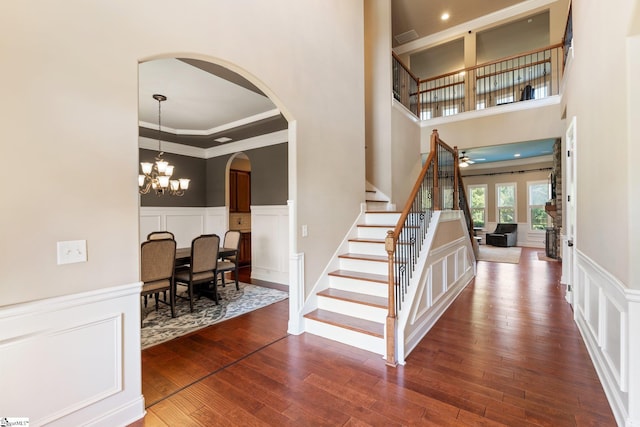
<point>425,114</point>
<point>506,202</point>
<point>504,100</point>
<point>450,111</point>
<point>478,204</point>
<point>539,194</point>
<point>540,92</point>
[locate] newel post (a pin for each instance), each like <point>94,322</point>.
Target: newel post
<point>389,246</point>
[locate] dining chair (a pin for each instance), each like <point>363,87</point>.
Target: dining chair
<point>203,266</point>
<point>155,235</point>
<point>157,260</point>
<point>230,263</point>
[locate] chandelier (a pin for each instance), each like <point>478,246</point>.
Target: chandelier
<point>157,176</point>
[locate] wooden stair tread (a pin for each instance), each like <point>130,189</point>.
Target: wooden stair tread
<point>365,257</point>
<point>348,322</point>
<point>359,298</point>
<point>379,278</point>
<point>377,226</point>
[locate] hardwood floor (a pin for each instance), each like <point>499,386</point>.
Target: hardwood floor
<point>506,352</point>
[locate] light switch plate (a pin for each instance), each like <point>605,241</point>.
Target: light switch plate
<point>72,251</point>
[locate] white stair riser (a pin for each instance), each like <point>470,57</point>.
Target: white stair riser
<point>373,232</point>
<point>359,286</point>
<point>381,218</point>
<point>364,266</point>
<point>367,248</point>
<point>346,336</point>
<point>348,308</point>
<point>378,205</point>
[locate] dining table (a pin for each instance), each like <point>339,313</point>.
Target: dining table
<point>183,255</point>
<point>183,258</point>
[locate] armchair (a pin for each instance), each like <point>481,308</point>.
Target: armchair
<point>504,235</point>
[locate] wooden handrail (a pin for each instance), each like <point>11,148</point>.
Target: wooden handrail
<point>497,61</point>
<point>414,229</point>
<point>507,70</point>
<point>413,76</point>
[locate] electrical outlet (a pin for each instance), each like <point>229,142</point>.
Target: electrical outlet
<point>72,251</point>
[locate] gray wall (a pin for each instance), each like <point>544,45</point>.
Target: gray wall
<point>269,178</point>
<point>216,180</point>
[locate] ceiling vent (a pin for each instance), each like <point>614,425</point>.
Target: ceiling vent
<point>407,36</point>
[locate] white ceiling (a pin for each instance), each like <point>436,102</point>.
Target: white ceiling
<point>198,102</point>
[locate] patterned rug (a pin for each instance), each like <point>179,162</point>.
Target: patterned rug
<point>158,327</point>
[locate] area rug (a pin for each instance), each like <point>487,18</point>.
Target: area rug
<point>497,254</point>
<point>543,257</point>
<point>159,326</point>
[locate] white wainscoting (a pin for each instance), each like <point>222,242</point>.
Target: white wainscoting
<point>73,360</point>
<point>441,274</point>
<point>184,223</point>
<point>270,243</point>
<point>608,315</point>
<point>269,233</point>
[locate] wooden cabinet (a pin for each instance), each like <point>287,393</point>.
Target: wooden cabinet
<point>244,254</point>
<point>239,191</point>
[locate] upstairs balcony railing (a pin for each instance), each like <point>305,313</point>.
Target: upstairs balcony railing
<point>531,75</point>
<point>405,85</point>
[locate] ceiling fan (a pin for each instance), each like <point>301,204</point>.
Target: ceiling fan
<point>465,161</point>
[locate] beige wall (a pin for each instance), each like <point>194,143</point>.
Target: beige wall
<point>605,187</point>
<point>378,94</point>
<point>406,161</point>
<point>515,126</point>
<point>70,122</point>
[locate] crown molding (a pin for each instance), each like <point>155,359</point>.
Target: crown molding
<point>211,131</point>
<point>221,150</point>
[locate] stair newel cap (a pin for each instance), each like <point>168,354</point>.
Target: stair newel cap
<point>389,244</point>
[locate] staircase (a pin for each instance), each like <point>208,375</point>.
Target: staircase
<point>377,201</point>
<point>353,309</point>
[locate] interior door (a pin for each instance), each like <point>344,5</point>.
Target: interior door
<point>569,238</point>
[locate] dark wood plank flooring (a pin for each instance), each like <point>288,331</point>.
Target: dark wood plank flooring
<point>507,352</point>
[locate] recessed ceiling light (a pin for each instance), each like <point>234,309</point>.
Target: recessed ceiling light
<point>516,155</point>
<point>222,139</point>
<point>444,16</point>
